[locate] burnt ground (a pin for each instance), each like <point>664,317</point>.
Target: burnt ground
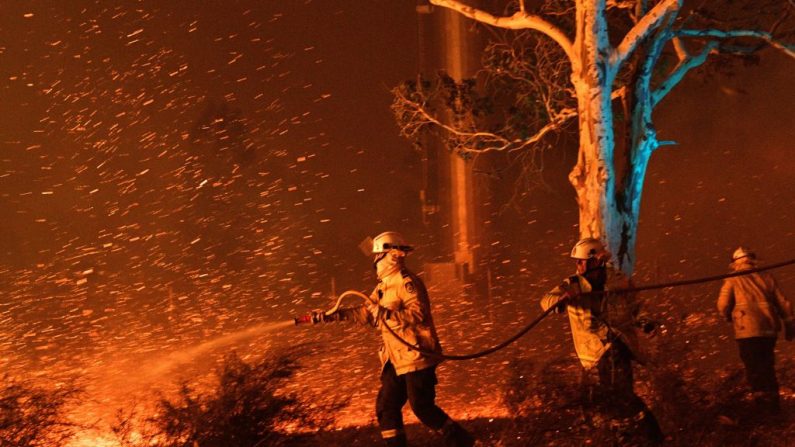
<point>722,415</point>
<point>489,432</point>
<point>520,432</point>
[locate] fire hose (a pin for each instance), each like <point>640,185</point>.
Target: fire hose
<point>543,315</point>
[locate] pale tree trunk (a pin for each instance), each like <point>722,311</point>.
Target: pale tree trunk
<point>593,176</point>
<point>643,141</point>
<point>608,198</point>
<point>628,204</point>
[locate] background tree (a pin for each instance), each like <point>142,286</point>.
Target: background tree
<point>607,63</point>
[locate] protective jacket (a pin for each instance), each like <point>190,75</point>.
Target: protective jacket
<point>402,299</point>
<point>598,320</point>
<point>753,303</point>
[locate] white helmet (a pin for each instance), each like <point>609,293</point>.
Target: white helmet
<point>587,248</point>
<point>743,252</point>
<point>389,240</point>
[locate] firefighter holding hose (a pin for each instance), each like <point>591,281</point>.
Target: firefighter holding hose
<point>400,300</point>
<point>604,330</point>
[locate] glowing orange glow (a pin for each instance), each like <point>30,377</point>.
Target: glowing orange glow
<point>176,184</point>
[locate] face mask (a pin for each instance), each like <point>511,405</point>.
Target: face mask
<point>386,263</point>
<point>377,258</point>
<point>593,270</point>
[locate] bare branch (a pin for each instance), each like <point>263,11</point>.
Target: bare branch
<point>679,72</point>
<point>553,125</point>
<point>789,50</point>
<point>420,117</point>
<point>645,26</point>
<point>519,20</point>
<point>680,48</point>
<point>474,142</point>
<point>714,44</point>
<point>621,4</point>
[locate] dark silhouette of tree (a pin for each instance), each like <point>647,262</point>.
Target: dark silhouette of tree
<point>31,416</point>
<point>246,408</point>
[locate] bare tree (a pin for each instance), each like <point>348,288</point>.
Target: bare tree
<point>561,63</point>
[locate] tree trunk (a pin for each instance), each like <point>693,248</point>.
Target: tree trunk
<point>593,177</point>
<point>609,201</point>
<point>628,203</point>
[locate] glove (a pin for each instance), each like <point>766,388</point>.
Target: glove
<point>789,330</point>
<point>568,297</point>
<point>319,316</point>
<point>378,311</point>
<point>383,312</point>
<point>373,309</point>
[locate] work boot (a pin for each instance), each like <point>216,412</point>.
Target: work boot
<point>397,441</point>
<point>455,435</point>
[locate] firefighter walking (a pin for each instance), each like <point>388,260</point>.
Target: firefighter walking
<point>604,330</point>
<point>755,306</point>
<point>401,301</point>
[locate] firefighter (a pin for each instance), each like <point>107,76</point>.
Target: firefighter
<point>755,306</point>
<point>401,300</point>
<point>604,329</point>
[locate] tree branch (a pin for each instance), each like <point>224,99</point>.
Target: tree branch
<point>679,72</point>
<point>680,48</point>
<point>519,20</point>
<point>417,117</point>
<point>645,26</point>
<point>563,116</point>
<point>473,142</point>
<point>688,62</point>
<point>621,4</point>
<point>789,50</point>
<point>643,134</point>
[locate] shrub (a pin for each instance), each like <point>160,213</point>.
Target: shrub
<point>31,416</point>
<point>244,409</point>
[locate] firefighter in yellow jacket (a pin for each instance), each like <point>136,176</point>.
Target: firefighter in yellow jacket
<point>755,306</point>
<point>401,301</point>
<point>604,330</point>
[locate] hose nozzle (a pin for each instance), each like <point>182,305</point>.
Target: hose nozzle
<point>314,317</point>
<point>303,319</point>
<point>321,316</point>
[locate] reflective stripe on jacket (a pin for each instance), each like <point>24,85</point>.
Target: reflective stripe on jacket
<point>597,320</point>
<point>753,303</point>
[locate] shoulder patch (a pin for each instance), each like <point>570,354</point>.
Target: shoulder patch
<point>410,287</point>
